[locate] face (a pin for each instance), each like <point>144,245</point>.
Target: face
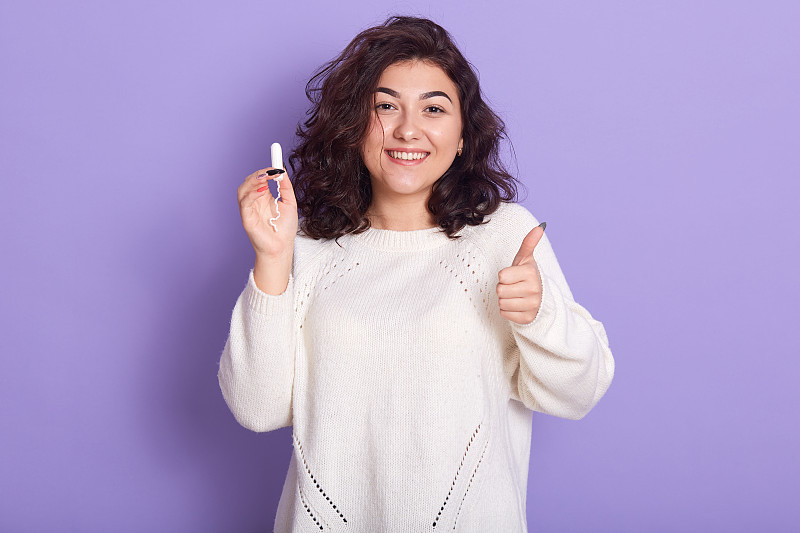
<point>414,133</point>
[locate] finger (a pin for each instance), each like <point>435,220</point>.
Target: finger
<point>516,290</point>
<point>525,253</point>
<point>515,304</point>
<point>259,175</point>
<point>520,317</point>
<point>254,194</point>
<point>515,274</point>
<point>257,182</point>
<point>253,188</point>
<point>286,189</point>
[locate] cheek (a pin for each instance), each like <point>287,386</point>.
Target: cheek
<point>373,144</point>
<point>455,131</point>
<point>447,133</point>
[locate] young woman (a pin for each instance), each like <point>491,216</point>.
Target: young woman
<point>407,325</point>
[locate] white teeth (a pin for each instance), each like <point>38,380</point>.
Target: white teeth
<point>407,155</point>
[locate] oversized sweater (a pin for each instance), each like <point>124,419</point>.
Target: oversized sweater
<point>409,396</point>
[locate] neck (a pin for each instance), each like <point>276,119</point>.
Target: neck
<point>397,220</point>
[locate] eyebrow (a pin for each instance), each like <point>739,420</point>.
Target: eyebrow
<point>423,96</point>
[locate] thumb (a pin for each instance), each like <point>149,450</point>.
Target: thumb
<point>525,253</point>
<point>287,189</point>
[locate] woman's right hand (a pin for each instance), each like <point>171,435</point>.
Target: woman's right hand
<point>257,206</point>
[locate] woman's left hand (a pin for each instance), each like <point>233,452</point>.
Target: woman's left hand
<point>519,291</point>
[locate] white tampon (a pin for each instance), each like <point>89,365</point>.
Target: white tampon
<point>277,162</point>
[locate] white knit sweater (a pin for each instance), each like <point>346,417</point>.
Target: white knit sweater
<point>409,395</point>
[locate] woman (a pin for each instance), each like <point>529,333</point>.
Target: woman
<point>419,316</point>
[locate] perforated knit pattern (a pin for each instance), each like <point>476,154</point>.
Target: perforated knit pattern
<point>469,272</point>
<point>471,479</point>
<point>307,468</point>
<point>409,395</point>
<point>311,515</point>
<point>455,479</point>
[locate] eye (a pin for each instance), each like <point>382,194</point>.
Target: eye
<point>383,107</point>
<point>434,109</point>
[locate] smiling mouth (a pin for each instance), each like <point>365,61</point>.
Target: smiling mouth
<point>407,156</point>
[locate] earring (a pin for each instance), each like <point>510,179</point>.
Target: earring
<point>459,151</point>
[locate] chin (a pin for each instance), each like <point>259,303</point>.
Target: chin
<point>407,187</point>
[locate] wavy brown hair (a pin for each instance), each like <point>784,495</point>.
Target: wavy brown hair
<point>331,182</point>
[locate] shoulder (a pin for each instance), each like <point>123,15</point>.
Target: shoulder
<point>309,252</point>
<point>512,214</point>
<point>502,235</point>
<point>506,227</point>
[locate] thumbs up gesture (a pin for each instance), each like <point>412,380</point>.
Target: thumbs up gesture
<point>519,291</point>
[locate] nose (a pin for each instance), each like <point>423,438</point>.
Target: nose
<point>407,128</point>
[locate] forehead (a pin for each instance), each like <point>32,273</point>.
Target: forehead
<point>412,78</point>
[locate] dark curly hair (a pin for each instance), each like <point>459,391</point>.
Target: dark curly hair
<point>331,181</point>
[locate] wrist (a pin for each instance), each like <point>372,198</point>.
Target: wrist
<point>271,274</point>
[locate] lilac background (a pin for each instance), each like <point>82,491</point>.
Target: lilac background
<point>659,140</point>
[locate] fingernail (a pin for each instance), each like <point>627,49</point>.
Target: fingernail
<point>275,171</point>
<point>262,189</point>
<point>543,225</point>
<point>261,176</point>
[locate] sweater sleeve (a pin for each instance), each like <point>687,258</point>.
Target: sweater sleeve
<point>256,370</point>
<point>565,364</point>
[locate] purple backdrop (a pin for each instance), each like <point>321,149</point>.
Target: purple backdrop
<point>658,140</point>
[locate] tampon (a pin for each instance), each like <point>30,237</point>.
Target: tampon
<point>277,162</point>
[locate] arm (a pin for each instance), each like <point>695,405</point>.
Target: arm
<point>565,364</point>
<point>256,370</point>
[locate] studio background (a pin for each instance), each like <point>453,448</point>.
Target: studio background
<point>659,140</point>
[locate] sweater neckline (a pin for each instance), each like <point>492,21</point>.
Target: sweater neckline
<point>385,239</point>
